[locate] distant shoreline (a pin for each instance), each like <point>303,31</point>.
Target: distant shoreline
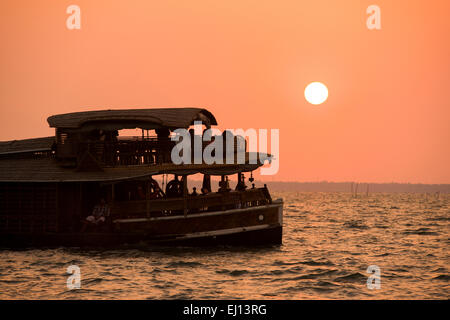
<point>360,188</point>
<point>326,186</point>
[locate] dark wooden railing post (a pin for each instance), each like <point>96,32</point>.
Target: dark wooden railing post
<point>185,194</point>
<point>147,198</point>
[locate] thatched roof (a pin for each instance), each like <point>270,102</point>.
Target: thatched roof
<point>48,170</point>
<point>26,145</point>
<point>171,118</point>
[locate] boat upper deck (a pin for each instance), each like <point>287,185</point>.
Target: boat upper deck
<point>87,147</point>
<point>47,170</point>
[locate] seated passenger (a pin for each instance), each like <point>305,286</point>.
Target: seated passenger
<point>141,193</point>
<point>155,190</point>
<point>99,214</point>
<point>224,185</point>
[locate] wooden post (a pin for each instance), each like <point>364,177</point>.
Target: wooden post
<point>222,183</point>
<point>112,192</point>
<point>80,204</point>
<point>58,213</point>
<point>147,198</point>
<point>185,194</point>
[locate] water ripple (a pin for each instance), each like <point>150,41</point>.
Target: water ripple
<point>329,241</point>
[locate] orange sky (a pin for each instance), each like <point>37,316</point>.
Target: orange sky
<point>387,117</point>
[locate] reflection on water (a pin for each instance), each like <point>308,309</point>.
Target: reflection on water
<point>329,241</point>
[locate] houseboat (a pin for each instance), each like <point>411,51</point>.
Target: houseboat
<point>90,186</point>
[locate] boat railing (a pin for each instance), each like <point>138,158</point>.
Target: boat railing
<point>128,152</point>
<point>132,150</point>
<point>192,204</point>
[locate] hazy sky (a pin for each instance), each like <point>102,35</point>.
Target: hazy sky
<point>386,119</point>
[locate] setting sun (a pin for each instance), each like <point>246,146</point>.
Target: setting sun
<point>316,93</point>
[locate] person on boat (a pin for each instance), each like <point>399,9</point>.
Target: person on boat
<point>241,183</point>
<point>141,193</point>
<point>99,214</point>
<point>163,145</point>
<point>174,188</point>
<point>224,185</point>
<point>111,147</point>
<point>206,185</point>
<point>155,190</point>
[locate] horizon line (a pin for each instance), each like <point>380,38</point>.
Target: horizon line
<point>337,182</point>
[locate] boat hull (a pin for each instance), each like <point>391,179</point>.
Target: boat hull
<point>252,226</point>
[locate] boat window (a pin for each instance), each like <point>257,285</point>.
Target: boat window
<point>63,138</point>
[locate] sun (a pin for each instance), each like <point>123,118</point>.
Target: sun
<point>316,93</point>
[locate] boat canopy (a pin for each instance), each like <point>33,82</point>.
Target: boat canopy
<point>148,119</point>
<point>26,145</point>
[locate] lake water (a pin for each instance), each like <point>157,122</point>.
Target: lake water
<point>330,239</point>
